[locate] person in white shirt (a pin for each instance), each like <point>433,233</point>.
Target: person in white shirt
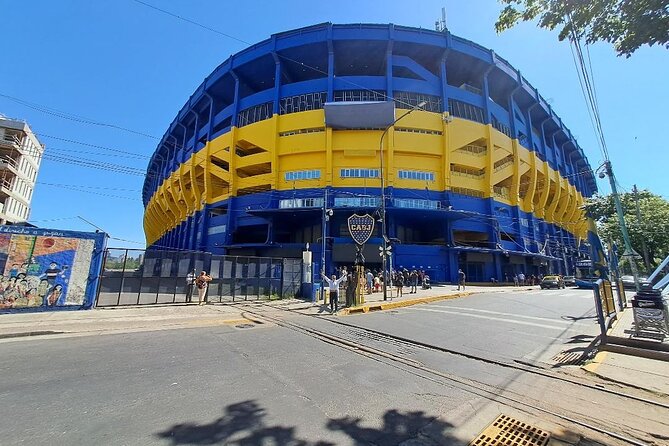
<point>333,287</point>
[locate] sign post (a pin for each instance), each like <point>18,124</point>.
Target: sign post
<point>361,228</point>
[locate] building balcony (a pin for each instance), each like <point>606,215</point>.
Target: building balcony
<point>8,165</point>
<point>10,141</point>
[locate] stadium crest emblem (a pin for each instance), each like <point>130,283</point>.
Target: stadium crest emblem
<point>360,227</point>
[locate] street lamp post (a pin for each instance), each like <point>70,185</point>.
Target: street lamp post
<point>384,235</point>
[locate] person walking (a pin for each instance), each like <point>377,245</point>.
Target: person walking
<point>190,284</point>
<point>202,283</point>
<point>461,279</point>
<point>333,287</point>
<point>399,283</point>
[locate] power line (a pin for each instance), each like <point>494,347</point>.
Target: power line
<point>193,22</point>
<point>73,117</point>
<point>74,141</point>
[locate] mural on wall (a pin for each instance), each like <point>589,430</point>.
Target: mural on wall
<point>44,270</point>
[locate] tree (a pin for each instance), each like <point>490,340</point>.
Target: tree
<point>653,227</point>
<point>627,24</point>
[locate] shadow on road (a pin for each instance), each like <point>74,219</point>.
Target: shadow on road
<point>580,339</point>
<point>244,424</point>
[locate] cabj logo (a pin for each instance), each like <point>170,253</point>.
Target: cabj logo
<point>361,227</point>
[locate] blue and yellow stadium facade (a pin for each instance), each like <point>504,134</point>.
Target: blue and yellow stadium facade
<point>484,176</point>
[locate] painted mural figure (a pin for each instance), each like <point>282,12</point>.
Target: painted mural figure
<point>52,273</point>
<point>54,295</point>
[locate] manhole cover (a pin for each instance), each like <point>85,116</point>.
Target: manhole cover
<point>568,358</point>
<point>507,431</point>
<point>244,326</point>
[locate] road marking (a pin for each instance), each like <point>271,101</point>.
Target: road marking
<point>490,318</point>
<point>538,318</point>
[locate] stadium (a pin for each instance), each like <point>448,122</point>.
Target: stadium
<point>479,172</point>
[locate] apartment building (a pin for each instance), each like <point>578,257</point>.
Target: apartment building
<point>20,157</point>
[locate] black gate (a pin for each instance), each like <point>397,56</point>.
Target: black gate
<point>139,277</point>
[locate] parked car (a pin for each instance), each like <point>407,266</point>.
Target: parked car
<point>628,282</point>
<point>569,280</point>
<point>552,282</point>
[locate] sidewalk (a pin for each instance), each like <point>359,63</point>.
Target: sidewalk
<point>375,302</point>
<point>643,373</point>
<point>15,326</point>
<point>635,359</point>
<point>117,320</point>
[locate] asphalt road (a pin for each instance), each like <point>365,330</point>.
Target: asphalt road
<point>532,326</point>
<point>275,385</point>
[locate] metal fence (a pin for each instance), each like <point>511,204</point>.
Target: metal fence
<point>141,277</point>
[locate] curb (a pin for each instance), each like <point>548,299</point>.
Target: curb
<point>367,308</point>
<point>658,355</point>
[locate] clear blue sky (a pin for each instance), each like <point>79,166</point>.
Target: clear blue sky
<point>125,64</point>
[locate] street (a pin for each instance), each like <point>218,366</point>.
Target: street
<point>301,379</point>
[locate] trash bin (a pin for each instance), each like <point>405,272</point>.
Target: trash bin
<point>650,310</point>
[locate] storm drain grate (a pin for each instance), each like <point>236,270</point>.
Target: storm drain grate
<point>568,358</point>
<point>507,431</point>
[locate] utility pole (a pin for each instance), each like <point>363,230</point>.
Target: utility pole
<point>324,237</point>
<point>629,251</point>
<point>644,248</point>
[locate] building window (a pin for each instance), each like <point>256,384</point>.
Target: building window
<point>461,109</point>
<point>359,96</point>
<point>302,131</point>
<point>292,203</point>
<point>501,127</point>
<point>467,191</point>
<point>254,114</point>
<point>302,102</point>
<point>414,203</point>
<point>360,202</point>
<point>407,100</point>
<point>359,173</point>
<point>416,175</point>
<point>302,175</point>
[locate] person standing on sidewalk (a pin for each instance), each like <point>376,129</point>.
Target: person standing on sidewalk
<point>202,283</point>
<point>190,284</point>
<point>461,279</point>
<point>333,286</point>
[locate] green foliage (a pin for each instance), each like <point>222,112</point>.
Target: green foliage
<point>626,24</point>
<point>653,227</point>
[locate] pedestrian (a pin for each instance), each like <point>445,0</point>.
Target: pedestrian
<point>370,282</point>
<point>399,283</point>
<point>333,287</point>
<point>521,278</point>
<point>413,278</point>
<point>515,280</point>
<point>350,287</point>
<point>190,284</point>
<point>461,279</point>
<point>201,283</point>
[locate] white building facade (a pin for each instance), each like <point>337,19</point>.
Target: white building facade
<point>20,157</point>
